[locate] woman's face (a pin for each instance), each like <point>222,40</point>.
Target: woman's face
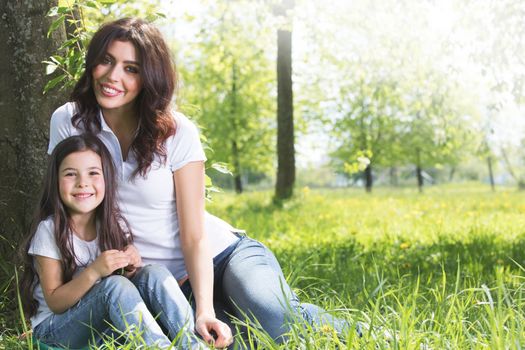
<point>117,79</point>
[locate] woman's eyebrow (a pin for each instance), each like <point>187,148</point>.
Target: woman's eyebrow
<point>127,61</point>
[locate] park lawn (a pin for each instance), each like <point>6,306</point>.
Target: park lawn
<point>438,270</point>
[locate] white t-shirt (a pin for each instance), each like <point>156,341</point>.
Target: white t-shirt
<point>149,203</point>
<point>44,244</point>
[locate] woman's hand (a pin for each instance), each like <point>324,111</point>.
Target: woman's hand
<point>207,325</point>
<point>135,261</point>
<point>109,261</point>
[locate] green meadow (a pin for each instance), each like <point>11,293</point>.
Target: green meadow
<point>439,270</point>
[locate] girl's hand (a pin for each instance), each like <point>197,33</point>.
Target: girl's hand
<point>109,261</point>
<point>207,325</point>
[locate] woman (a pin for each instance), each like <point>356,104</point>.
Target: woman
<point>124,96</point>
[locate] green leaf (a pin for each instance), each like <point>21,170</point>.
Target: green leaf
<point>222,168</point>
<point>207,181</point>
<point>93,4</point>
<point>68,43</point>
<point>63,9</point>
<point>57,59</point>
<point>56,23</point>
<point>53,82</point>
<point>107,1</point>
<point>53,11</point>
<point>51,68</point>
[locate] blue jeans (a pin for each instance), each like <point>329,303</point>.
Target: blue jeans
<point>150,303</point>
<point>249,282</point>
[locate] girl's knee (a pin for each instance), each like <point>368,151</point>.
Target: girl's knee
<point>116,286</point>
<point>156,270</point>
<point>153,273</point>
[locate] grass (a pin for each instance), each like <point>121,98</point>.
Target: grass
<point>439,270</point>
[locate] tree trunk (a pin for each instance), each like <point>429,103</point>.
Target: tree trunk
<point>285,125</point>
<point>451,175</point>
<point>25,116</point>
<point>491,174</point>
<point>235,148</point>
<point>25,110</point>
<point>419,172</point>
<point>368,178</point>
<point>510,169</point>
<point>236,168</point>
<point>393,177</point>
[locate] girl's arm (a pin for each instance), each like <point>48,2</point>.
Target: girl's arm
<point>189,189</point>
<point>61,296</point>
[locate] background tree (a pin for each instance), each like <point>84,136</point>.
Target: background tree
<point>228,87</point>
<point>285,123</point>
<point>367,126</point>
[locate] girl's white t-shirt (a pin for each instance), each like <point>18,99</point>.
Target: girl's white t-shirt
<point>149,203</point>
<point>44,244</point>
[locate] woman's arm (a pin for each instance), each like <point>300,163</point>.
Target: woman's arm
<point>189,189</point>
<point>61,296</point>
<point>135,260</point>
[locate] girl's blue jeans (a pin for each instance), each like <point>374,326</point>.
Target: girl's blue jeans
<point>150,303</point>
<point>250,285</point>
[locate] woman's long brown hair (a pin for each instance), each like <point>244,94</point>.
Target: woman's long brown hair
<point>113,230</point>
<point>153,103</point>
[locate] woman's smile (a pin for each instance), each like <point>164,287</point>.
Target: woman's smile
<point>116,79</point>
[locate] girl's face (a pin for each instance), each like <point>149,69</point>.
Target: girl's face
<point>117,79</point>
<point>81,183</point>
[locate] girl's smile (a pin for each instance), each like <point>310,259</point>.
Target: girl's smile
<point>81,183</point>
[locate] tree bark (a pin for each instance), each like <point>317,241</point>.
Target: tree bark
<point>368,178</point>
<point>285,124</point>
<point>235,148</point>
<point>419,172</point>
<point>393,177</point>
<point>491,174</point>
<point>236,168</point>
<point>25,111</point>
<point>451,174</point>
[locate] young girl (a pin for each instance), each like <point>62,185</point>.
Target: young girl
<point>77,245</point>
<point>124,97</point>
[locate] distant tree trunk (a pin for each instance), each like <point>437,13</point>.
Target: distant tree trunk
<point>451,175</point>
<point>285,125</point>
<point>235,148</point>
<point>393,176</point>
<point>419,171</point>
<point>510,168</point>
<point>491,174</point>
<point>368,178</point>
<point>236,168</point>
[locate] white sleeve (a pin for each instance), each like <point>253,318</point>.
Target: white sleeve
<point>60,126</point>
<point>43,243</point>
<point>185,146</point>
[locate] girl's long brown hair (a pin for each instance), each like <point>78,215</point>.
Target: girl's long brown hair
<point>113,231</point>
<point>153,102</point>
